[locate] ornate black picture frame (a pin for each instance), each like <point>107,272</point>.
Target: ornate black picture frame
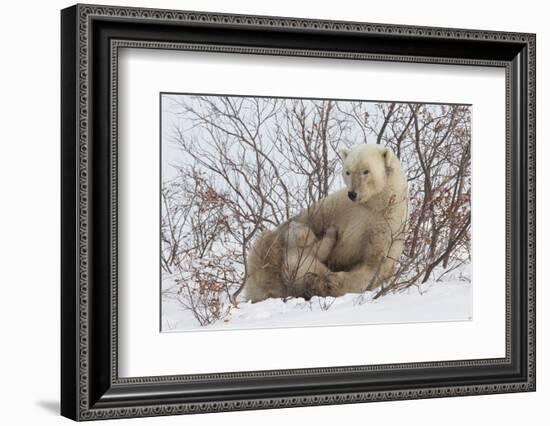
<point>90,385</point>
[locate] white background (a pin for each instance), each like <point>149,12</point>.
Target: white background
<point>146,352</point>
<point>29,222</point>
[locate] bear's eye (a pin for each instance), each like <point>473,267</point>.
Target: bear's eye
<point>366,172</point>
<point>347,172</point>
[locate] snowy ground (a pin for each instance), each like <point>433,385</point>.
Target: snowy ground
<point>449,299</point>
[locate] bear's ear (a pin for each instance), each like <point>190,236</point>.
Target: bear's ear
<point>288,234</point>
<point>388,156</point>
<point>293,228</point>
<point>344,153</point>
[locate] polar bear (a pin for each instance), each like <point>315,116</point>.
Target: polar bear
<point>303,259</point>
<point>369,215</point>
<point>288,262</point>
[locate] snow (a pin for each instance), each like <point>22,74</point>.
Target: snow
<point>448,298</point>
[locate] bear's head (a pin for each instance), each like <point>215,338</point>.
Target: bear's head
<point>299,235</point>
<point>366,169</point>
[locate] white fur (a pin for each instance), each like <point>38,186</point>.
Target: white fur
<point>304,254</point>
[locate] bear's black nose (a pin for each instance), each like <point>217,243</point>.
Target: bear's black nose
<point>352,195</point>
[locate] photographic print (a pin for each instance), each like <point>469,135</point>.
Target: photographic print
<point>295,212</point>
<point>255,183</point>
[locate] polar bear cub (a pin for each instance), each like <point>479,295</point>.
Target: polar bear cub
<point>304,257</point>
